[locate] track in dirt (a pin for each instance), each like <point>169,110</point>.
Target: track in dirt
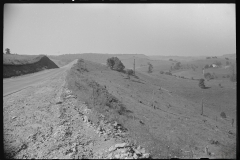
<point>14,85</point>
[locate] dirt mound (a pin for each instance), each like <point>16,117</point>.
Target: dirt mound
<point>24,66</point>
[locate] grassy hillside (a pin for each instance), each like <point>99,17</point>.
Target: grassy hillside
<point>16,65</point>
<point>13,59</point>
<point>161,112</point>
<point>94,57</point>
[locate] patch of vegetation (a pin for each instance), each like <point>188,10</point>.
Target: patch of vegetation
<point>96,96</point>
<point>201,83</point>
<point>208,76</point>
<point>150,67</point>
<point>161,72</point>
<point>168,73</point>
<point>223,115</point>
<point>115,64</point>
<point>81,66</point>
<point>12,59</point>
<point>129,73</point>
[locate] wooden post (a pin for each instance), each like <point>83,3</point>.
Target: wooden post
<point>93,98</point>
<point>152,99</point>
<point>202,106</point>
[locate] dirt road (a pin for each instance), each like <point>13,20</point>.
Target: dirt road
<point>46,121</point>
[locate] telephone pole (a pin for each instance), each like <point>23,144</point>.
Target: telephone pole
<point>134,66</point>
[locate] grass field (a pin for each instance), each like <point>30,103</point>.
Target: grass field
<point>162,112</point>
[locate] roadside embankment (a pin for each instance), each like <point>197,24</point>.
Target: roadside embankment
<point>16,66</point>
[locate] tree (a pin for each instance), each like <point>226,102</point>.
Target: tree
<point>208,76</point>
<point>177,65</point>
<point>129,73</point>
<point>7,51</point>
<point>218,63</point>
<point>201,83</point>
<point>150,67</point>
<point>206,66</point>
<point>115,64</point>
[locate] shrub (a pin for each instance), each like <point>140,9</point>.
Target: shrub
<point>223,76</point>
<point>218,63</point>
<point>115,64</point>
<point>223,115</point>
<point>208,76</point>
<point>177,65</point>
<point>129,72</point>
<point>168,73</point>
<point>161,72</point>
<point>201,83</point>
<point>150,67</point>
<point>206,66</point>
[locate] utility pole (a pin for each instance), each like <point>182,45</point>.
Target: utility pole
<point>134,66</point>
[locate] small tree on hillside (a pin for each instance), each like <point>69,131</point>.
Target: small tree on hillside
<point>7,51</point>
<point>177,65</point>
<point>129,73</point>
<point>115,64</point>
<point>150,67</point>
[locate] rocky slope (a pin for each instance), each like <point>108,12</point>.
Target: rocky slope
<point>21,67</point>
<point>48,121</point>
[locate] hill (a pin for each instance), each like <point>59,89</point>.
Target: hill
<point>161,112</point>
<point>16,65</point>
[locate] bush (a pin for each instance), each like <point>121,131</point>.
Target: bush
<point>150,68</point>
<point>208,76</point>
<point>115,64</point>
<point>223,115</point>
<point>129,72</point>
<point>168,73</point>
<point>201,83</point>
<point>161,72</point>
<point>206,66</point>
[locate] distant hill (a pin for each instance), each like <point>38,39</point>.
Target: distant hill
<point>16,65</point>
<point>231,56</point>
<point>94,57</point>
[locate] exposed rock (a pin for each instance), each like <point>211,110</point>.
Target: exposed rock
<point>120,145</point>
<point>117,156</point>
<point>135,156</point>
<point>112,148</point>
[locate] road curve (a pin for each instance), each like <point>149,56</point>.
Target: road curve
<point>16,84</point>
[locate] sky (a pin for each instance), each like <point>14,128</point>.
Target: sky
<point>150,29</point>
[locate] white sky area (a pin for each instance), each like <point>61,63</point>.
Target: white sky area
<point>150,29</point>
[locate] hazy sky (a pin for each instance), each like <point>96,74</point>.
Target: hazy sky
<point>150,29</point>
